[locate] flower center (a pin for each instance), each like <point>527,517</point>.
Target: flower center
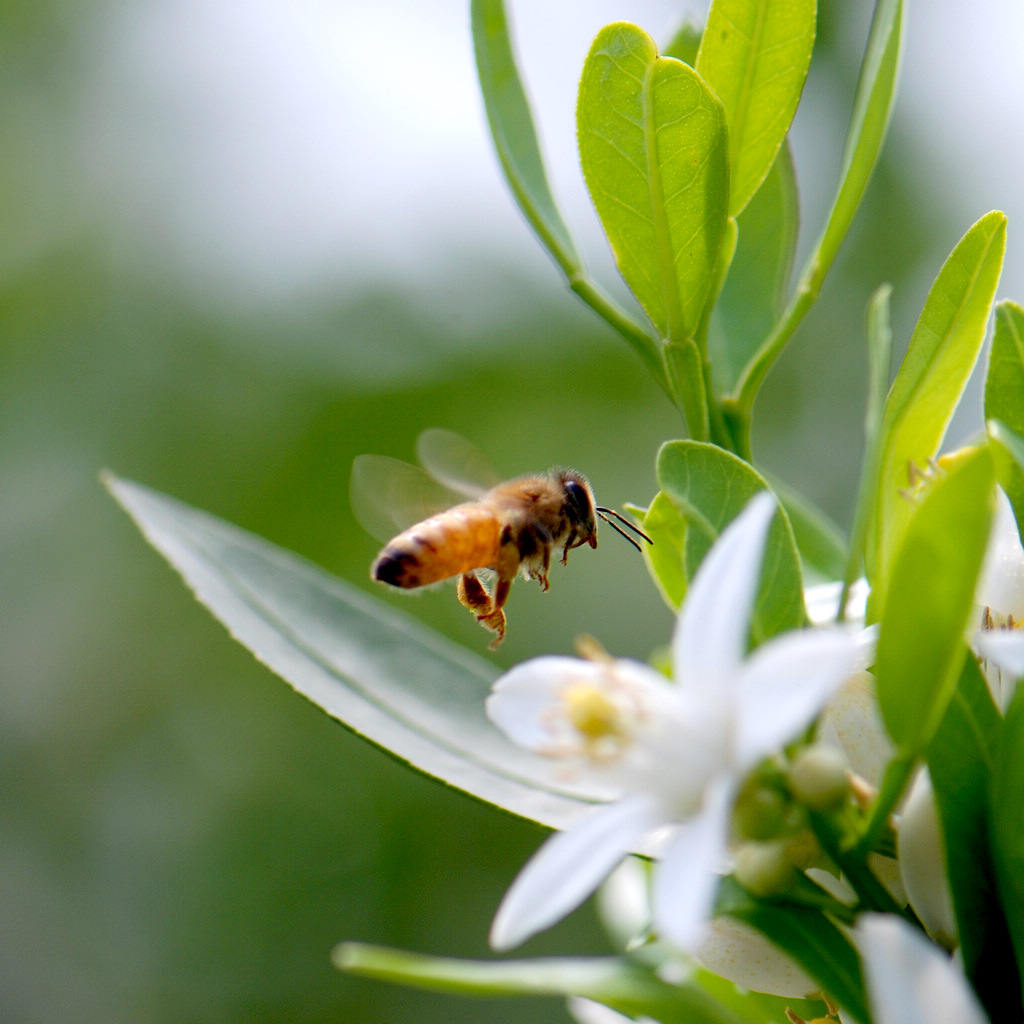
<point>592,713</point>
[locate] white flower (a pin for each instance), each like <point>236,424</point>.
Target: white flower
<point>674,753</point>
<point>1000,593</point>
<point>908,978</point>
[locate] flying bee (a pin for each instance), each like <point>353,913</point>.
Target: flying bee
<point>507,528</point>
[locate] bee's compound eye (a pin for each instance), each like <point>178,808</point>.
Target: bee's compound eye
<point>579,499</point>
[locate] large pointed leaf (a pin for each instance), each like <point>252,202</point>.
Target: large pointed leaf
<point>934,372</point>
<point>654,150</point>
<point>627,987</point>
<point>380,673</point>
<point>755,54</point>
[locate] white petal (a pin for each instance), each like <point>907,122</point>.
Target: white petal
<point>784,684</point>
<point>686,879</point>
<point>737,952</point>
<point>923,862</point>
<point>909,978</point>
<point>568,868</point>
<point>853,722</point>
<point>1001,583</point>
<point>520,698</point>
<point>865,642</point>
<point>1003,646</point>
<point>711,635</point>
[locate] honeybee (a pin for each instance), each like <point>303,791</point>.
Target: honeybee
<point>507,528</point>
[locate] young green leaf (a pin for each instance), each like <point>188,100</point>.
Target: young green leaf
<point>960,762</point>
<point>515,139</point>
<point>665,558</point>
<point>710,487</point>
<point>654,150</point>
<point>755,54</point>
<point>876,91</point>
<point>1004,393</point>
<point>931,593</point>
<point>1007,822</point>
<point>939,360</point>
<point>621,984</point>
<point>380,673</point>
<point>758,279</point>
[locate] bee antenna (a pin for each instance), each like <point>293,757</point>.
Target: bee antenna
<point>605,513</point>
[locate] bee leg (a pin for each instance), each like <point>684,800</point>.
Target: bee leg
<point>568,544</point>
<point>486,608</point>
<point>532,547</point>
<point>541,574</point>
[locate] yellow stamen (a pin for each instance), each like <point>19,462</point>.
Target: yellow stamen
<point>591,713</point>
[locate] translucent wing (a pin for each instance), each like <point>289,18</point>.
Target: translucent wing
<point>455,462</point>
<point>389,495</point>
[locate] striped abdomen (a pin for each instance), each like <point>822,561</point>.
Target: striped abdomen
<point>453,542</point>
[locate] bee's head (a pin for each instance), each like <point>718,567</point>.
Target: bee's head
<point>579,505</point>
<point>584,512</point>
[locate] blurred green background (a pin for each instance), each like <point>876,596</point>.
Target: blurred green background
<point>181,837</point>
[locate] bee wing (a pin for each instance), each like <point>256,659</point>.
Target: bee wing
<point>388,495</point>
<point>455,462</point>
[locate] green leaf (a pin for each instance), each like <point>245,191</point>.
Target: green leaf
<point>515,139</point>
<point>755,54</point>
<point>808,937</point>
<point>879,337</point>
<point>654,150</point>
<point>381,674</point>
<point>934,372</point>
<point>931,593</point>
<point>1004,393</point>
<point>1007,822</point>
<point>623,985</point>
<point>755,288</point>
<point>876,90</point>
<point>710,487</point>
<point>508,112</point>
<point>960,762</point>
<point>665,558</point>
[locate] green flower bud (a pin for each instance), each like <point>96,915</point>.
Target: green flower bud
<point>765,869</point>
<point>818,777</point>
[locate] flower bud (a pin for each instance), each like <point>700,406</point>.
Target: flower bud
<point>818,777</point>
<point>760,812</point>
<point>765,869</point>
